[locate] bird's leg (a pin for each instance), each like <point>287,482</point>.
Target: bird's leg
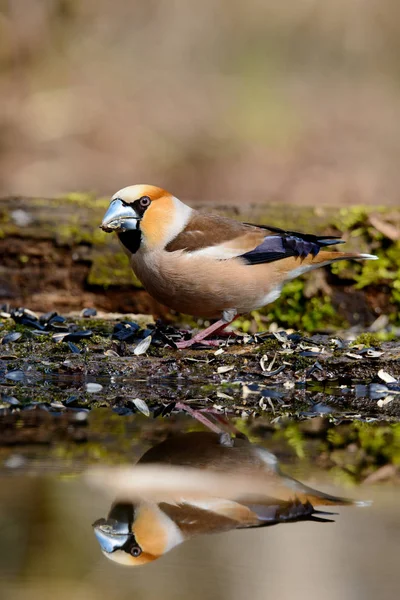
<point>227,317</point>
<point>223,426</point>
<point>199,416</point>
<point>200,337</point>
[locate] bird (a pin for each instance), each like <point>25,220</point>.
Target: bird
<point>207,265</point>
<point>221,483</point>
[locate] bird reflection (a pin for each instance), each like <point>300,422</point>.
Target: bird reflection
<point>198,483</point>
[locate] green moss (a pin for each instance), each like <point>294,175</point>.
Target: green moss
<point>354,450</point>
<point>271,345</point>
<point>295,439</point>
<point>74,233</point>
<point>384,269</point>
<point>335,437</point>
<point>83,199</point>
<point>112,269</point>
<point>351,217</point>
<point>99,326</point>
<point>294,310</point>
<point>367,339</point>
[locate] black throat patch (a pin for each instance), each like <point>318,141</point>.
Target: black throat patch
<point>131,239</point>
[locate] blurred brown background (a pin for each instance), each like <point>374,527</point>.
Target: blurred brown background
<point>294,101</point>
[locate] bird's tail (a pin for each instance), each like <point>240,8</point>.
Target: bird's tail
<point>295,266</point>
<point>317,498</point>
<point>330,257</point>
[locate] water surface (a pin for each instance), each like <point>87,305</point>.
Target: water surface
<point>47,546</point>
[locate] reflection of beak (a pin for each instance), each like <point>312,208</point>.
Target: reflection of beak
<point>120,217</point>
<point>108,539</point>
<point>113,533</point>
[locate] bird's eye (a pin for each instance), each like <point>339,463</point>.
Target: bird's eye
<point>135,551</point>
<point>144,201</point>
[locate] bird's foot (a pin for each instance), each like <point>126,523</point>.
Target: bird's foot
<point>200,417</point>
<point>222,426</point>
<point>200,337</point>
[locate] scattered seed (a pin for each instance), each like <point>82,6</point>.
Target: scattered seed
<point>11,337</point>
<point>223,397</point>
<point>386,377</point>
<point>225,369</point>
<point>75,336</point>
<point>337,342</point>
<point>71,399</point>
<point>15,376</point>
<point>247,391</point>
<point>82,415</point>
<point>143,346</point>
<point>376,391</point>
<point>93,388</point>
<point>57,405</point>
<point>30,313</point>
<point>74,349</point>
<point>10,400</point>
<point>88,312</point>
<point>47,316</point>
<point>111,353</point>
<point>126,331</point>
<point>274,372</point>
<point>59,337</point>
<point>141,406</point>
<point>71,336</point>
<point>265,403</point>
<point>263,361</point>
<point>310,353</point>
<point>289,385</point>
<point>370,353</point>
<point>269,368</point>
<point>15,461</point>
<point>55,321</point>
<point>385,401</point>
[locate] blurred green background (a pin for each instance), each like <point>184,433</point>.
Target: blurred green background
<point>224,100</point>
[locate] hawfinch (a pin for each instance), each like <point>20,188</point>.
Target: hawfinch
<point>206,265</point>
<point>219,483</point>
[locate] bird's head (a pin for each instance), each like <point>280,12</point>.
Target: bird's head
<point>134,535</point>
<point>145,215</point>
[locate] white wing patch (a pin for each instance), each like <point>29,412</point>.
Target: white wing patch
<point>219,252</point>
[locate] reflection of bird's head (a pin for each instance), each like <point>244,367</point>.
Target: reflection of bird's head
<point>145,215</point>
<point>136,534</point>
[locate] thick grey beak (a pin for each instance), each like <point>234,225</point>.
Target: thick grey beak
<point>109,536</point>
<point>113,533</point>
<point>120,217</point>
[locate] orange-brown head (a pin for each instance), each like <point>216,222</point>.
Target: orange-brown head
<point>145,216</point>
<point>136,534</point>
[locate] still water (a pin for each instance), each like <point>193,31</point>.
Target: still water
<point>48,548</point>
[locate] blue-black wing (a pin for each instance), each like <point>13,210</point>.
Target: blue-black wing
<point>283,244</point>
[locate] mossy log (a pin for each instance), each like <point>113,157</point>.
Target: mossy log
<point>55,257</point>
